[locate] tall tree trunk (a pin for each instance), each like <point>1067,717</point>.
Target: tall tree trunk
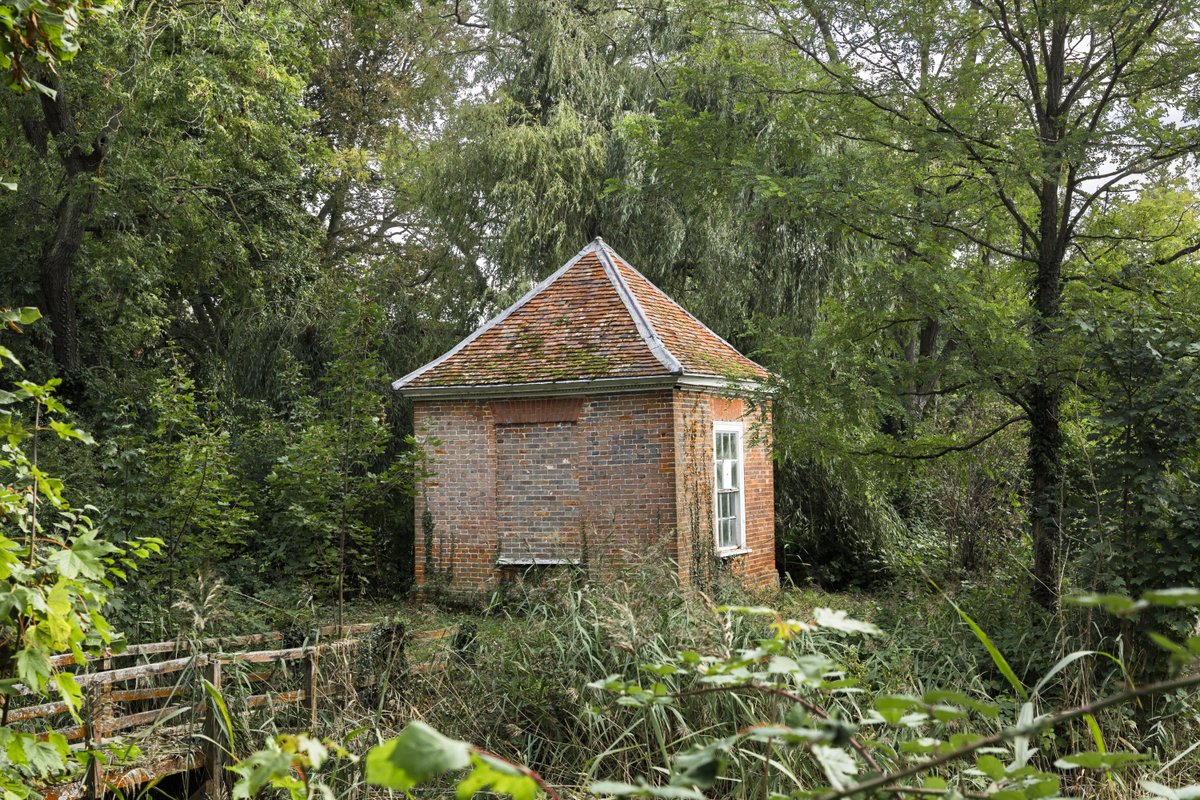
<point>57,261</point>
<point>1045,490</point>
<point>1045,391</point>
<point>54,272</point>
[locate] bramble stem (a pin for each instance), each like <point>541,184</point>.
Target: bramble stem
<point>884,782</point>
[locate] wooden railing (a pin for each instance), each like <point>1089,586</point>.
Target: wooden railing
<point>169,690</point>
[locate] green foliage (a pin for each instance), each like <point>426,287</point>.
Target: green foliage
<point>418,756</point>
<point>41,32</point>
<point>56,577</point>
<point>801,726</point>
<point>176,476</point>
<point>338,475</point>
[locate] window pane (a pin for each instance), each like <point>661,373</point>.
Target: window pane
<point>728,486</point>
<point>726,445</point>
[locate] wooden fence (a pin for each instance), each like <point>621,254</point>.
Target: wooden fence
<point>114,708</point>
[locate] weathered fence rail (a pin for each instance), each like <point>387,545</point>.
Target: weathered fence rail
<point>165,698</point>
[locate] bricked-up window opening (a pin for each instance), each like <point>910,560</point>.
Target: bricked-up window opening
<point>730,500</point>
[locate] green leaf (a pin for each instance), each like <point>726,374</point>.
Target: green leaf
<point>643,789</point>
<point>1097,760</point>
<point>950,697</point>
<point>267,767</point>
<point>69,691</point>
<point>65,431</point>
<point>494,776</point>
<point>33,666</point>
<point>218,703</point>
<point>992,767</point>
<point>838,620</point>
<point>1174,598</point>
<point>418,754</point>
<point>838,765</point>
<point>1182,793</point>
<point>893,707</point>
<point>1071,658</point>
<point>1113,603</point>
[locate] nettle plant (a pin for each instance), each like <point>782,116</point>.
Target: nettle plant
<point>56,576</point>
<point>942,743</point>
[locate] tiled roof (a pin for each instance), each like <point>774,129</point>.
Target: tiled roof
<point>596,318</point>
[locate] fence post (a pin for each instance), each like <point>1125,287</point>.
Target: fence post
<point>214,751</point>
<point>310,686</point>
<point>94,737</point>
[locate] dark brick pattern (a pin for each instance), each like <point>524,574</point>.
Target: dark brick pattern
<point>541,409</point>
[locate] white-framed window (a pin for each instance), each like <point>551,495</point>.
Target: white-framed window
<point>729,496</point>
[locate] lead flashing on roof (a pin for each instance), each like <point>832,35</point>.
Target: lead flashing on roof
<point>645,329</point>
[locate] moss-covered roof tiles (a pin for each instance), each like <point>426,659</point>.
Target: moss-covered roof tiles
<point>595,318</point>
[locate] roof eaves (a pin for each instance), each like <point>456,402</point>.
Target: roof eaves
<point>657,347</point>
<point>591,247</point>
<point>579,387</point>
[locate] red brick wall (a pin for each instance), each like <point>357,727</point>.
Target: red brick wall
<point>627,477</point>
<point>537,490</point>
<point>695,412</point>
<point>606,479</point>
<point>460,494</point>
<point>519,479</point>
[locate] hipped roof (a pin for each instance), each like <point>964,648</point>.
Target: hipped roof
<point>596,319</point>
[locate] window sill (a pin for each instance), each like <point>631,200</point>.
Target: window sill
<point>730,552</point>
<point>534,562</point>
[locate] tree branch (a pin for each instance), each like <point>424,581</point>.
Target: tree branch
<point>954,448</point>
<point>884,782</point>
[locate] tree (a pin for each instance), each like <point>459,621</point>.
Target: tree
<point>998,129</point>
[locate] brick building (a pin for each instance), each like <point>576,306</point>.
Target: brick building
<point>592,423</point>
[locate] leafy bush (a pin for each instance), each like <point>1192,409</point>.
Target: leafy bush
<point>56,577</point>
<point>766,709</point>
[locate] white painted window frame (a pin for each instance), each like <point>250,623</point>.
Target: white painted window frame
<point>720,426</point>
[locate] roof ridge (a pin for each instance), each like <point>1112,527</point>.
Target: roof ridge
<point>645,328</point>
<point>677,304</point>
<point>596,245</point>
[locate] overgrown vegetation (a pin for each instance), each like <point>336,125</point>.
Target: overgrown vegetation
<point>965,235</point>
<point>696,699</point>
